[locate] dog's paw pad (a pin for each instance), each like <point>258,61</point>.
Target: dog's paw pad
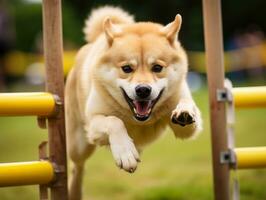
<point>183,119</point>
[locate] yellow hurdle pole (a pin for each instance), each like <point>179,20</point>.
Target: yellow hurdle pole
<point>31,103</point>
<point>26,173</point>
<point>249,97</point>
<point>250,157</point>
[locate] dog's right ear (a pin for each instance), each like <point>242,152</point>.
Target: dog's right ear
<point>111,30</point>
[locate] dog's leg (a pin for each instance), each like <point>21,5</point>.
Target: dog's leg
<point>110,129</point>
<point>186,118</point>
<point>75,188</point>
<point>79,151</point>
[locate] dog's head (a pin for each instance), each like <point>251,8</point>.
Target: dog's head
<point>143,65</point>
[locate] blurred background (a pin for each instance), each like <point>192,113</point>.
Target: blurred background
<point>244,35</point>
<point>170,168</point>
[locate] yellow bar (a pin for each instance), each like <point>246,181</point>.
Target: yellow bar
<point>26,173</point>
<point>247,97</point>
<point>250,157</point>
<point>31,103</point>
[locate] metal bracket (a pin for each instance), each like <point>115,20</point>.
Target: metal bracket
<point>58,104</point>
<point>57,100</point>
<point>224,95</point>
<point>228,157</point>
<point>58,169</point>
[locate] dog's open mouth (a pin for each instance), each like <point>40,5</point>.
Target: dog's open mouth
<point>141,108</point>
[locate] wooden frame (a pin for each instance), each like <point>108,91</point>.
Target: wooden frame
<point>215,76</point>
<point>53,51</point>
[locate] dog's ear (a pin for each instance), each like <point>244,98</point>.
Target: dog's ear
<point>171,30</point>
<point>111,30</point>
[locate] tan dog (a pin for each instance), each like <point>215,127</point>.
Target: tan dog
<point>128,84</point>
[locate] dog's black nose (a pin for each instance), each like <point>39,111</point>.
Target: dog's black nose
<point>143,91</point>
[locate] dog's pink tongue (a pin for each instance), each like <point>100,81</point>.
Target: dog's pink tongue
<point>142,107</point>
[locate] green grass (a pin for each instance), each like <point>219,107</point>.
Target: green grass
<point>171,169</point>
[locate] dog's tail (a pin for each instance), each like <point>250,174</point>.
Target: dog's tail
<point>94,24</point>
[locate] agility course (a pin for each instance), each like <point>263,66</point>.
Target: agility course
<point>51,170</point>
<point>222,100</point>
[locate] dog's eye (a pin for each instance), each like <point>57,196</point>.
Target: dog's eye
<point>127,69</point>
<point>157,68</point>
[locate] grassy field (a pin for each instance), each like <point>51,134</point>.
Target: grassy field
<point>171,169</point>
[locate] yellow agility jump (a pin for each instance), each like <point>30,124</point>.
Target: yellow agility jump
<point>26,173</point>
<point>249,97</point>
<point>48,106</point>
<point>250,157</point>
<point>31,103</point>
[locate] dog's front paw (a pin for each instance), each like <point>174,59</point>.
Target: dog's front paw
<point>125,154</point>
<point>182,118</point>
<point>186,120</point>
<point>184,115</point>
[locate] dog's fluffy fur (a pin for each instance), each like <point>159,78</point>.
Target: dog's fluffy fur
<point>102,107</point>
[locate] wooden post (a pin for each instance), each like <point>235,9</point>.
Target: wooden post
<point>215,75</point>
<point>53,51</point>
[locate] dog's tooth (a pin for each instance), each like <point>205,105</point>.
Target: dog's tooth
<point>135,110</point>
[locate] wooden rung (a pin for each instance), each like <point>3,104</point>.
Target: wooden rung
<point>249,97</point>
<point>250,157</point>
<point>29,103</point>
<point>26,173</point>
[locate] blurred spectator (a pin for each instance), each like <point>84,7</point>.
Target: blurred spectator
<point>247,54</point>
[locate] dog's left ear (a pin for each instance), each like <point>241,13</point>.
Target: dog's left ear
<point>111,30</point>
<point>171,30</point>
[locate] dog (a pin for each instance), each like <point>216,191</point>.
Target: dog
<point>128,83</point>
